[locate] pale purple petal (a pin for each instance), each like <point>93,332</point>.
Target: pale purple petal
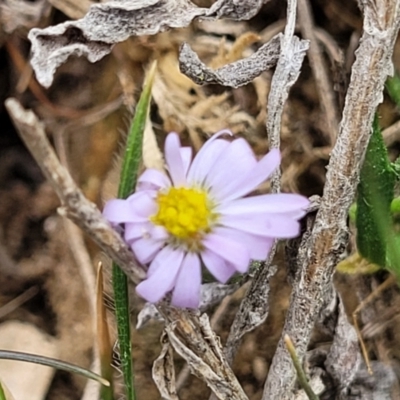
<point>231,251</point>
<point>258,246</point>
<point>234,163</point>
<point>119,211</point>
<point>262,170</point>
<point>158,232</point>
<point>145,230</point>
<point>188,283</point>
<point>134,231</point>
<point>273,226</point>
<point>145,249</point>
<point>174,160</point>
<point>186,155</point>
<point>206,157</point>
<point>282,203</point>
<point>218,267</point>
<point>154,288</point>
<point>143,203</point>
<point>153,179</point>
<point>163,258</point>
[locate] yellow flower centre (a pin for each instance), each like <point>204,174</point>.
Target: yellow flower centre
<point>185,213</point>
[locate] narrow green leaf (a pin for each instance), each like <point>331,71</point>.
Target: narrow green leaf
<point>301,375</point>
<point>103,338</point>
<point>375,194</point>
<point>51,362</point>
<point>130,166</point>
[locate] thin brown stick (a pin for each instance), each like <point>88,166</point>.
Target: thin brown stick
<point>372,296</point>
<point>75,206</point>
<point>18,301</point>
<point>319,69</point>
<point>391,134</point>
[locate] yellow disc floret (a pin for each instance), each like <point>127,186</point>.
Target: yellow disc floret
<point>185,213</point>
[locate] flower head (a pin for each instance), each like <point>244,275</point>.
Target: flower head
<point>196,215</point>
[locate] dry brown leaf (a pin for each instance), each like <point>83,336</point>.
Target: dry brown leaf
<point>152,155</point>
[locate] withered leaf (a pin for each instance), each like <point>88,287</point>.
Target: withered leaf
<point>235,74</point>
<point>104,25</point>
<point>115,21</point>
<point>164,371</point>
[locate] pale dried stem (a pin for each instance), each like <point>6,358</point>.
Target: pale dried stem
<point>192,338</point>
<point>330,234</point>
<point>214,322</point>
<point>75,206</point>
<point>83,261</point>
<point>319,70</point>
<point>278,92</point>
<point>18,301</point>
<point>391,134</point>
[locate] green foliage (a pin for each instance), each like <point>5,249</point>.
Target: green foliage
<point>130,167</point>
<point>375,194</point>
<point>377,212</point>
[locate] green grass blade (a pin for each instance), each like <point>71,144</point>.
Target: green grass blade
<point>130,166</point>
<point>51,362</point>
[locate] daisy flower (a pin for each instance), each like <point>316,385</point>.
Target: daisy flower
<point>197,215</point>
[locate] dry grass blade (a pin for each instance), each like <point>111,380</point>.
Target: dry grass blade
<point>73,8</point>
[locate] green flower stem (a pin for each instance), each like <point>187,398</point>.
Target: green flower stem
<point>130,166</point>
<point>51,362</point>
<point>301,376</point>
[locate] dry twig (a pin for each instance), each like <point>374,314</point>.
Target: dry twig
<point>75,206</point>
<point>319,69</point>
